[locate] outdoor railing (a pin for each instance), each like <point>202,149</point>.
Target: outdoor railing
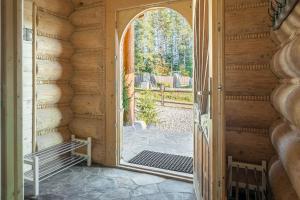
<point>162,90</point>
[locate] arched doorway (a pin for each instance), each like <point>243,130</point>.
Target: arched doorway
<point>127,74</point>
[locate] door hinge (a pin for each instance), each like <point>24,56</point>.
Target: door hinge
<point>210,98</point>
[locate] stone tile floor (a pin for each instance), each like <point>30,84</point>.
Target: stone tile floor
<point>156,139</point>
<point>89,183</point>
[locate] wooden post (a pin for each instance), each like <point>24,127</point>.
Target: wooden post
<point>11,100</point>
<point>36,176</point>
<point>162,92</point>
<point>34,109</point>
<point>128,63</point>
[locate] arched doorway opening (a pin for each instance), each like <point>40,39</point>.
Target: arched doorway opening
<point>156,92</point>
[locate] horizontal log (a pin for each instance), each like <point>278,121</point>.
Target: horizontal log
<point>27,106</point>
<point>90,61</point>
<point>280,185</point>
<point>27,121</point>
<point>54,70</point>
<point>27,49</point>
<point>88,17</point>
<point>250,20</point>
<point>53,25</point>
<point>252,114</point>
<point>249,51</point>
<point>88,128</point>
<point>286,101</point>
<point>88,83</point>
<point>27,93</point>
<point>27,64</point>
<point>54,47</point>
<point>88,39</point>
<point>286,62</point>
<point>83,3</point>
<point>88,76</point>
<point>242,82</point>
<point>27,14</point>
<point>48,140</point>
<point>88,104</point>
<point>248,147</point>
<point>287,145</point>
<point>53,137</point>
<point>88,88</point>
<point>53,93</point>
<point>60,7</point>
<point>27,79</point>
<point>289,26</point>
<point>50,118</point>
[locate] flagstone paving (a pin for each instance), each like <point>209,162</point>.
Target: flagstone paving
<point>91,183</point>
<point>155,139</point>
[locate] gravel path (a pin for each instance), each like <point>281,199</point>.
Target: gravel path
<point>173,135</point>
<point>179,120</point>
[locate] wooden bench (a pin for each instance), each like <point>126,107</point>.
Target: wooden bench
<point>53,160</point>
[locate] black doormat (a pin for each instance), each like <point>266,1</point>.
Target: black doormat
<point>164,161</point>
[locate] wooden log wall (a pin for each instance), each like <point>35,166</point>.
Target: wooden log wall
<point>54,71</point>
<point>285,134</point>
<point>280,182</point>
<point>88,81</point>
<point>249,80</point>
<point>27,81</point>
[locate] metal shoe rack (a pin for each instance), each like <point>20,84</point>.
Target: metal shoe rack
<point>55,159</point>
<point>247,181</point>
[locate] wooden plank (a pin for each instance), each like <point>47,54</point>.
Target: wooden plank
<point>250,82</point>
<point>249,20</point>
<point>249,51</point>
<point>249,147</point>
<point>11,100</point>
<point>252,114</point>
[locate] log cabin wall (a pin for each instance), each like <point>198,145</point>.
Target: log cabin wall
<point>88,82</point>
<point>53,71</point>
<point>27,78</point>
<point>285,134</point>
<point>249,80</point>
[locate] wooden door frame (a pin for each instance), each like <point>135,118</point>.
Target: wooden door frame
<point>216,134</point>
<point>216,52</point>
<point>121,29</point>
<point>11,100</point>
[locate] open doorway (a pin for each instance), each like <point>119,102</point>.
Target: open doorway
<point>157,92</point>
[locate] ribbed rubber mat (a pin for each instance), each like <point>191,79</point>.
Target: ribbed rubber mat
<point>164,161</point>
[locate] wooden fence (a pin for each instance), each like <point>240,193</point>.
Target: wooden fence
<point>163,90</point>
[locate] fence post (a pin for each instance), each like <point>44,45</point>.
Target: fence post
<point>162,92</point>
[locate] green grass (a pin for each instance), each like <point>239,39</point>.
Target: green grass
<point>170,96</point>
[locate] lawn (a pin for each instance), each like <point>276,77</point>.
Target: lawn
<point>169,96</point>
